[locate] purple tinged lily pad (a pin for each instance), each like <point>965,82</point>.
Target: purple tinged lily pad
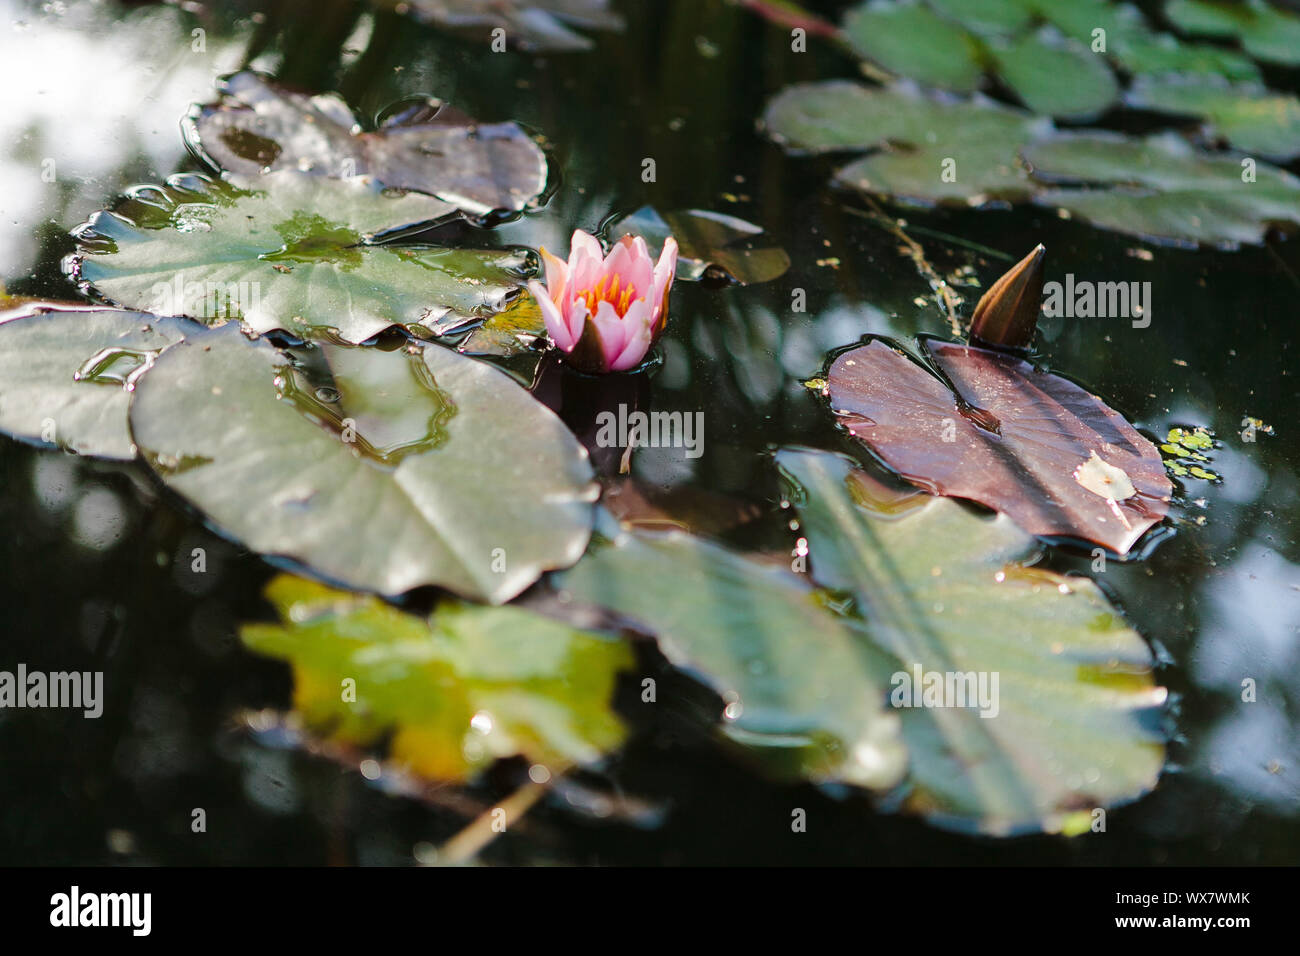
<point>1030,444</point>
<point>258,127</point>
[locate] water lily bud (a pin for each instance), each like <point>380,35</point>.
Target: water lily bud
<point>605,311</point>
<point>1007,313</point>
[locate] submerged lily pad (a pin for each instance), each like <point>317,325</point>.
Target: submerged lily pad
<point>1163,189</point>
<point>66,375</point>
<point>258,127</point>
<point>448,694</point>
<point>707,241</point>
<point>541,26</point>
<point>1072,722</point>
<point>1264,32</point>
<point>293,252</point>
<point>801,690</point>
<point>380,470</point>
<point>1005,434</point>
<point>1248,116</point>
<point>643,505</point>
<point>509,332</point>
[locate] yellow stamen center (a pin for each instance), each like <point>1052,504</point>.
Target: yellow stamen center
<point>620,300</point>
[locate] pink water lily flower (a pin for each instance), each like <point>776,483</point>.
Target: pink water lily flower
<point>605,311</point>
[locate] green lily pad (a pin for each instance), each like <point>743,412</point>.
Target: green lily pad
<point>258,127</point>
<point>1122,23</point>
<point>1265,32</point>
<point>1162,53</point>
<point>538,26</point>
<point>926,149</point>
<point>911,40</point>
<point>1056,76</point>
<point>379,470</point>
<point>292,252</point>
<point>802,690</point>
<point>988,17</point>
<point>1162,189</point>
<point>1133,45</point>
<point>949,44</point>
<point>1075,721</point>
<point>447,694</point>
<point>1048,73</point>
<point>66,375</point>
<point>1117,31</point>
<point>1248,116</point>
<point>707,241</point>
<point>1159,188</point>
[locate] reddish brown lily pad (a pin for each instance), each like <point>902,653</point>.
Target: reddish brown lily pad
<point>1032,445</point>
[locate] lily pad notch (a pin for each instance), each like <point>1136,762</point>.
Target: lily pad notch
<point>377,470</point>
<point>979,421</point>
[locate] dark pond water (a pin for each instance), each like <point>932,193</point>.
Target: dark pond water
<point>93,572</point>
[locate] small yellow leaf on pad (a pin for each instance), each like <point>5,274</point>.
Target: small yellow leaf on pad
<point>1102,478</point>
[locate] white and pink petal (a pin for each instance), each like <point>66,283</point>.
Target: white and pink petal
<point>553,317</point>
<point>638,336</point>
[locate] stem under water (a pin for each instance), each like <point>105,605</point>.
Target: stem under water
<point>470,842</point>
